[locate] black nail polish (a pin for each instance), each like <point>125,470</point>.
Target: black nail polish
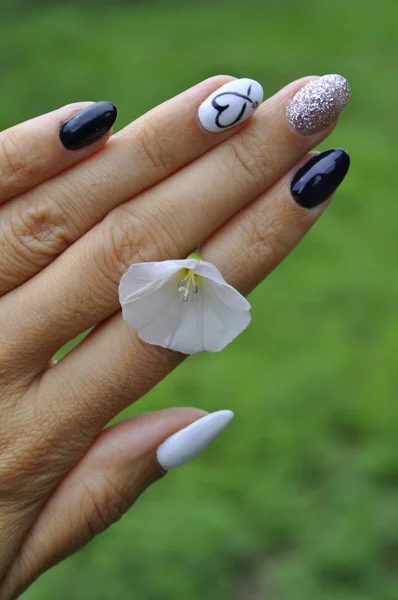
<point>316,181</point>
<point>88,125</point>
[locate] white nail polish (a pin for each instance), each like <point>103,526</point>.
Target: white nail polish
<point>231,104</point>
<point>189,442</point>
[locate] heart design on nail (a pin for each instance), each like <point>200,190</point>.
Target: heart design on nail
<point>234,118</point>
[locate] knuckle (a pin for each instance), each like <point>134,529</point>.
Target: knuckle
<point>129,237</point>
<point>105,505</point>
<point>146,143</point>
<point>10,360</point>
<point>24,466</point>
<point>251,232</point>
<point>268,239</point>
<point>254,241</point>
<point>39,232</point>
<point>15,475</point>
<point>34,441</point>
<point>16,167</point>
<point>123,242</point>
<point>150,142</point>
<point>11,474</point>
<point>251,160</point>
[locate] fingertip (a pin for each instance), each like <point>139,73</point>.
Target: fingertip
<point>187,443</point>
<point>87,125</point>
<point>315,182</point>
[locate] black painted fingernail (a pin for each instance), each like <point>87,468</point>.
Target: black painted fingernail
<point>88,125</point>
<point>316,181</point>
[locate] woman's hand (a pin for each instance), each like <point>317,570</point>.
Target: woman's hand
<point>76,210</point>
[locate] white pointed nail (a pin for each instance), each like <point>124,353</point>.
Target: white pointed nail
<point>231,104</point>
<point>189,442</point>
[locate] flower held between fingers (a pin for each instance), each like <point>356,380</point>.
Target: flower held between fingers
<point>185,305</point>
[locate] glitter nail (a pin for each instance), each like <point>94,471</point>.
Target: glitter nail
<point>318,104</point>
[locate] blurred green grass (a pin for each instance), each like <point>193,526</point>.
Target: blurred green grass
<point>299,499</point>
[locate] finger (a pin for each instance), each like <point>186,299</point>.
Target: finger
<point>122,367</point>
<point>124,460</point>
<point>258,238</point>
<point>39,225</point>
<point>166,222</point>
<point>42,147</point>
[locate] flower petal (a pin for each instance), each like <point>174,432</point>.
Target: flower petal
<point>145,308</point>
<point>209,271</point>
<point>153,305</point>
<point>141,276</point>
<point>225,316</point>
<point>179,326</point>
<point>157,311</point>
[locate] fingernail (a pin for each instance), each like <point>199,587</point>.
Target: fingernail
<point>189,442</point>
<point>316,181</point>
<point>231,104</point>
<point>88,125</point>
<point>318,104</point>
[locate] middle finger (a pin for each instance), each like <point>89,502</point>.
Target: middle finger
<point>167,221</point>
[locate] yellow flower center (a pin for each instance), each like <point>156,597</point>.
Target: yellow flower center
<point>188,284</point>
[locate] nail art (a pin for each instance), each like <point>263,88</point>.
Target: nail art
<point>231,104</point>
<point>318,104</point>
<point>189,442</point>
<point>88,125</point>
<point>316,181</point>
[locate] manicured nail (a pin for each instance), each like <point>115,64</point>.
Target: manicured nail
<point>88,125</point>
<point>316,181</point>
<point>231,104</point>
<point>189,442</point>
<point>318,104</point>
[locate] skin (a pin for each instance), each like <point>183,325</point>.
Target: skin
<point>70,225</point>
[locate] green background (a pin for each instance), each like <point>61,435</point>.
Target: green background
<point>299,498</point>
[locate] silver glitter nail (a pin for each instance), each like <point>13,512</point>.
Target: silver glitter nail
<point>318,104</point>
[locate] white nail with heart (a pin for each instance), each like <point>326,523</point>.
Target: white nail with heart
<point>231,104</point>
<point>189,442</point>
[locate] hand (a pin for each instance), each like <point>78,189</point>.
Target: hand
<point>76,210</point>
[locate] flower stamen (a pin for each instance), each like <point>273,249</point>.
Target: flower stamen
<point>188,285</point>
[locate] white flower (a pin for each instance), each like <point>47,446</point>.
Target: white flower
<point>185,305</point>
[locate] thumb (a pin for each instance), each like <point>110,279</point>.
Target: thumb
<point>121,463</point>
